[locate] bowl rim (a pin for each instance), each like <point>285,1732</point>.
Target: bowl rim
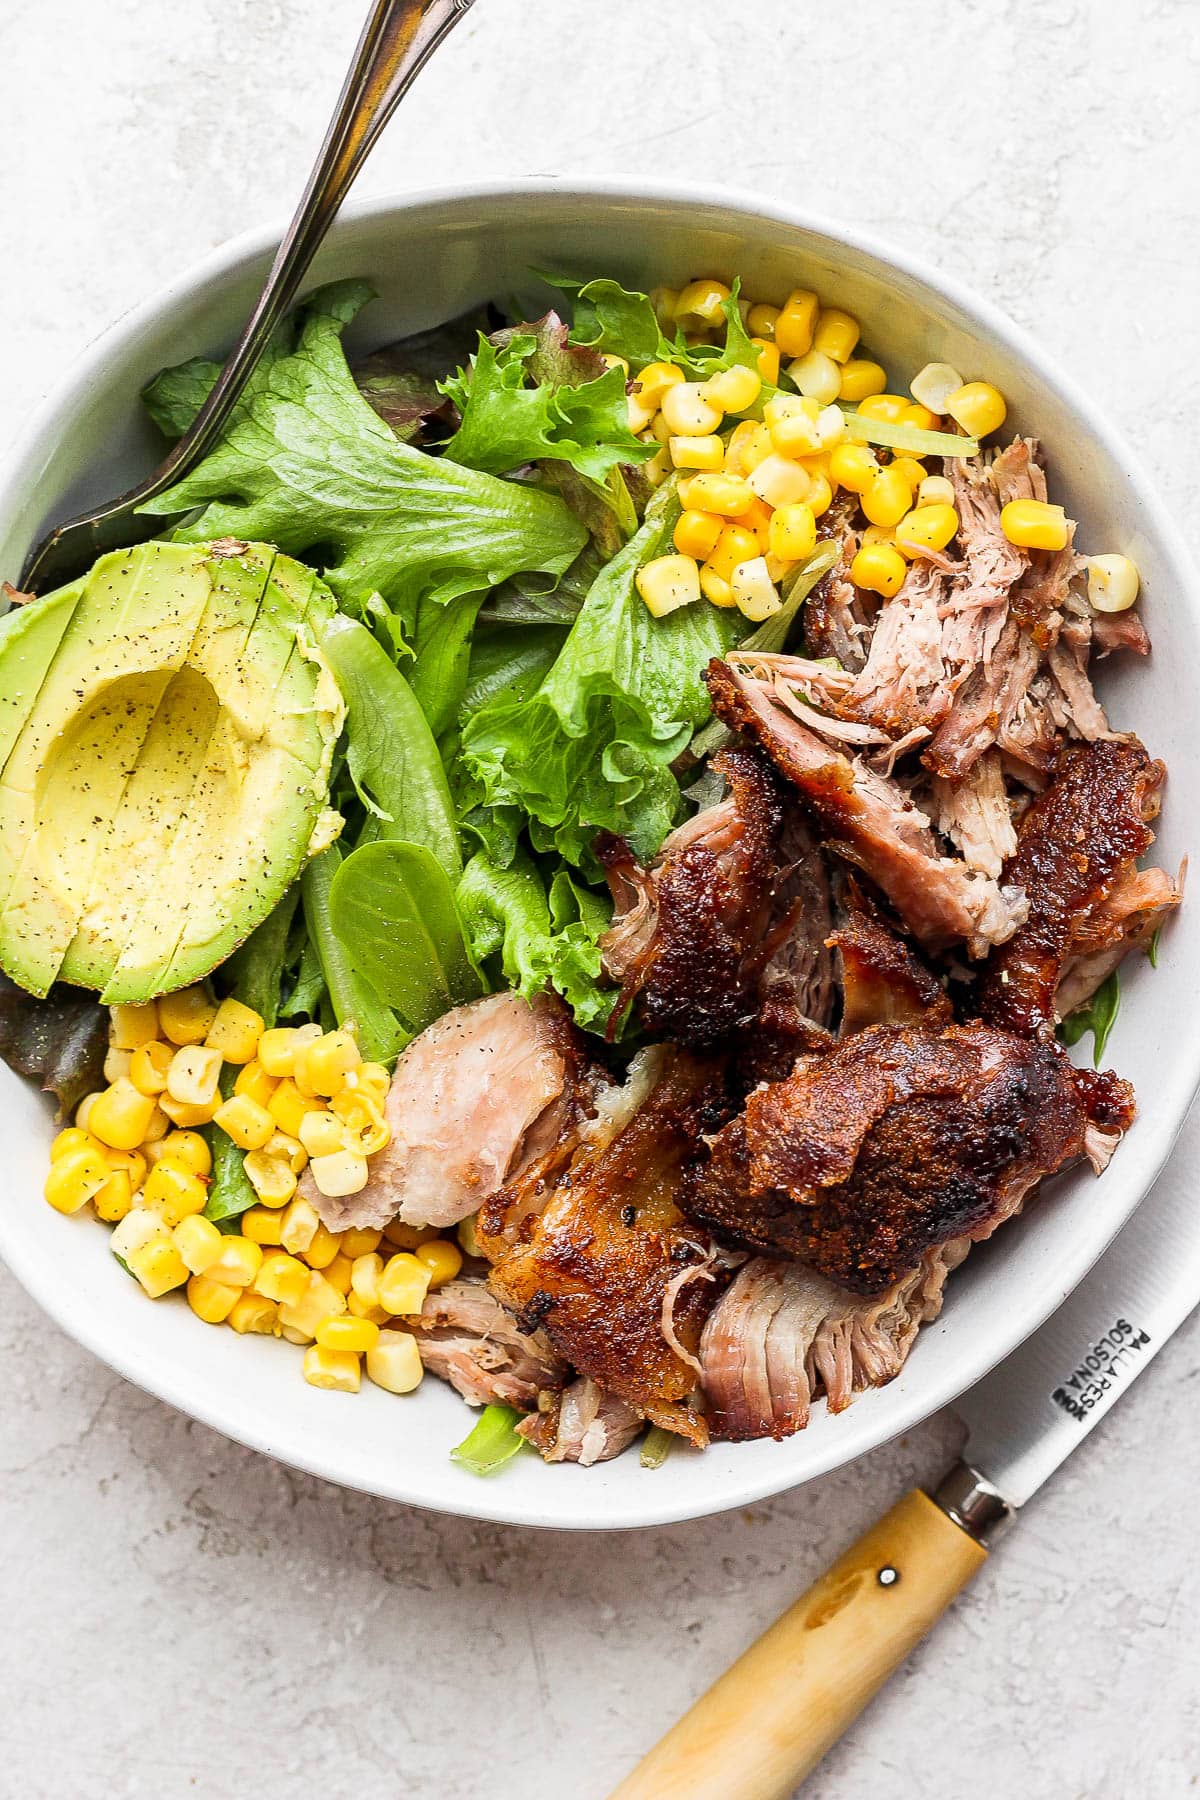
<point>684,1500</point>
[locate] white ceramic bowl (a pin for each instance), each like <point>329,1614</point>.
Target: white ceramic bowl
<point>431,256</point>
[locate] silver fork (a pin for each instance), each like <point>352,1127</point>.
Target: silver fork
<point>397,41</point>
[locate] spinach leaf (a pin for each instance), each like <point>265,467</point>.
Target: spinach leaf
<point>229,1191</point>
<point>1098,1017</point>
<point>254,973</point>
<point>439,677</point>
<point>354,1000</point>
<point>392,909</point>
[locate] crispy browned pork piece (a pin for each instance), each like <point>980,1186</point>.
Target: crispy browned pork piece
<point>688,934</point>
<point>869,819</point>
<point>1076,863</point>
<point>468,1339</point>
<point>780,1334</point>
<point>590,1245</point>
<point>583,1424</point>
<point>884,982</point>
<point>473,1098</point>
<point>898,1140</point>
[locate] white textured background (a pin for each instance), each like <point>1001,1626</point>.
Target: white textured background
<point>181,1617</point>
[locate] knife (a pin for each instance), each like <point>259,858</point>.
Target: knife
<point>768,1721</point>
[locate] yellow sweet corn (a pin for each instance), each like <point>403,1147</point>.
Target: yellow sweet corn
<point>1033,524</point>
<point>189,1149</point>
<point>136,1231</point>
<point>185,1017</point>
<point>407,1237</point>
<point>817,376</point>
<point>277,1049</point>
<point>339,1370</point>
<point>779,481</point>
<point>324,1065</point>
<point>728,495</point>
<point>768,360</point>
<point>701,305</point>
<point>853,466</point>
<point>129,1162</point>
<point>927,528</point>
<point>281,1278</point>
<point>659,468</point>
<point>347,1333</point>
<point>888,497</point>
<point>111,1202</point>
<point>158,1267</point>
<point>664,300</point>
<point>696,533</point>
<point>71,1138</point>
<point>361,1310</point>
<point>185,1116</point>
<point>321,1133</point>
<point>793,532</point>
<point>324,1246</point>
<point>238,1262</point>
<point>760,321</point>
<point>117,1063</point>
<point>735,545</point>
<point>198,1242</point>
<point>338,1272</point>
<point>83,1111</point>
<point>252,1313</point>
<point>936,490</point>
<point>715,587</point>
<point>298,1225</point>
<point>360,1241</point>
<point>129,1027</point>
<point>1112,583</point>
<point>836,334</point>
<point>468,1237</point>
<point>287,1106</point>
<point>891,407</point>
<point>820,495</point>
<point>910,469</point>
<point>796,321</point>
<point>157,1129</point>
<point>319,1301</point>
<point>443,1260</point>
<point>365,1274</point>
<point>921,417</point>
<point>148,1066</point>
<point>254,1082</point>
<point>74,1177</point>
<point>120,1115</point>
<point>193,1076</point>
<point>860,379</point>
<point>754,593</point>
<point>403,1284</point>
<point>245,1121</point>
<point>263,1227</point>
<point>978,407</point>
<point>273,1180</point>
<point>687,412</point>
<point>173,1192</point>
<point>665,584</point>
<point>732,390</point>
<point>933,385</point>
<point>235,1031</point>
<point>703,453</point>
<point>880,568</point>
<point>394,1362</point>
<point>344,1172</point>
<point>212,1301</point>
<point>749,445</point>
<point>654,381</point>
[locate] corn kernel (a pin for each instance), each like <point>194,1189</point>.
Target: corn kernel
<point>254,1082</point>
<point>654,380</point>
<point>360,1310</point>
<point>443,1260</point>
<point>733,390</point>
<point>281,1278</point>
<point>978,407</point>
<point>891,407</point>
<point>136,1231</point>
<point>887,498</point>
<point>324,1065</point>
<point>287,1106</point>
<point>245,1121</point>
<point>936,490</point>
<point>927,528</point>
<point>754,593</point>
<point>318,1301</point>
<point>321,1133</point>
<point>148,1066</point>
<point>394,1363</point>
<point>344,1172</point>
<point>687,412</point>
<point>251,1313</point>
<point>277,1049</point>
<point>373,1076</point>
<point>696,533</point>
<point>71,1138</point>
<point>271,1178</point>
<point>910,470</point>
<point>322,1249</point>
<point>298,1225</point>
<point>860,379</point>
<point>468,1236</point>
<point>339,1370</point>
<point>933,385</point>
<point>158,1267</point>
<point>287,1149</point>
<point>665,584</point>
<point>173,1192</point>
<point>659,432</point>
<point>793,533</point>
<point>403,1284</point>
<point>238,1262</point>
<point>338,1272</point>
<point>198,1242</point>
<point>189,1149</point>
<point>853,466</point>
<point>705,453</point>
<point>780,481</point>
<point>212,1301</point>
<point>74,1177</point>
<point>347,1333</point>
<point>749,445</point>
<point>130,1162</point>
<point>758,520</point>
<point>235,1031</point>
<point>735,545</point>
<point>185,1017</point>
<point>783,409</point>
<point>879,534</point>
<point>117,1063</point>
<point>820,495</point>
<point>664,300</point>
<point>701,304</point>
<point>1112,583</point>
<point>156,1130</point>
<point>120,1115</point>
<point>263,1227</point>
<point>111,1202</point>
<point>658,468</point>
<point>1035,525</point>
<point>768,361</point>
<point>129,1027</point>
<point>921,417</point>
<point>760,321</point>
<point>796,322</point>
<point>817,376</point>
<point>83,1111</point>
<point>728,495</point>
<point>360,1241</point>
<point>193,1076</point>
<point>185,1116</point>
<point>365,1274</point>
<point>836,334</point>
<point>879,568</point>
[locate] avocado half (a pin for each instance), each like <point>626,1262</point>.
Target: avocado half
<point>167,725</point>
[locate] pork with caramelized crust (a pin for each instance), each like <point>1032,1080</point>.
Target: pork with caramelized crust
<point>1078,846</point>
<point>884,982</point>
<point>870,820</point>
<point>594,1251</point>
<point>896,1141</point>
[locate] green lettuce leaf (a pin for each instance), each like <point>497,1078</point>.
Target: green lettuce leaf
<point>1098,1017</point>
<point>307,464</point>
<point>176,395</point>
<point>59,1042</point>
<point>617,321</point>
<point>506,422</point>
<point>539,940</point>
<point>592,747</point>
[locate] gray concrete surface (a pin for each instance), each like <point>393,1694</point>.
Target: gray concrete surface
<point>182,1617</point>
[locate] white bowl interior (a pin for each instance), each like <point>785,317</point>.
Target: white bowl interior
<point>431,258</point>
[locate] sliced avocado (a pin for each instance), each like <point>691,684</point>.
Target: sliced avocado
<point>29,638</point>
<point>160,790</point>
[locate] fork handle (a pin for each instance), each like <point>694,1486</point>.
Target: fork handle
<point>768,1721</point>
<point>397,41</point>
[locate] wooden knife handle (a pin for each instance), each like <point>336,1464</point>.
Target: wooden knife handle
<point>768,1721</point>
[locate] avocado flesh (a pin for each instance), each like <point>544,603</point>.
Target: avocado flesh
<point>29,640</point>
<point>65,776</point>
<point>170,784</point>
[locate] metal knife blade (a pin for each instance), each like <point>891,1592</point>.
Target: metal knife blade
<point>1026,1417</point>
